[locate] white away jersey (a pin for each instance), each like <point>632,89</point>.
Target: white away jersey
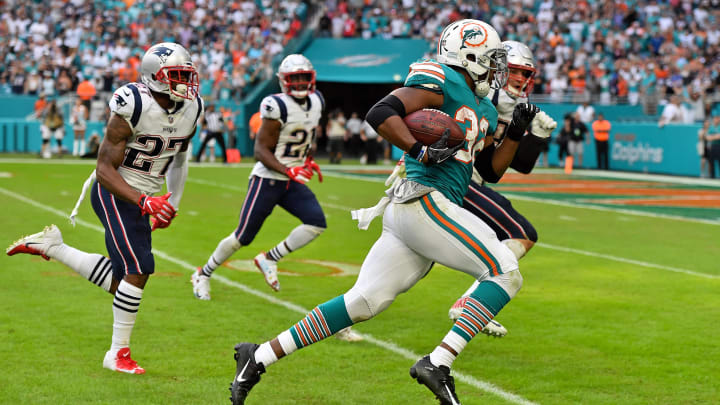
<point>505,105</point>
<point>297,130</point>
<point>158,135</point>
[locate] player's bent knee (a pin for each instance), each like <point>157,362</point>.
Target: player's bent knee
<point>147,263</point>
<point>510,282</point>
<point>317,230</point>
<point>362,307</point>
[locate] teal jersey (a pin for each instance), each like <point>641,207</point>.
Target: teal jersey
<point>476,117</point>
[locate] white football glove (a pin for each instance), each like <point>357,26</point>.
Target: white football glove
<point>543,125</point>
<point>398,173</point>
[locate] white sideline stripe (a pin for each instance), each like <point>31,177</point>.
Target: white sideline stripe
<point>545,245</point>
<point>629,261</point>
<point>556,202</point>
<point>467,379</point>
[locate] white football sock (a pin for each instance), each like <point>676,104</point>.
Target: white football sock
<point>125,307</point>
<point>299,237</point>
<point>75,147</point>
<point>92,266</point>
<point>287,342</point>
<point>81,150</point>
<point>443,357</point>
<point>222,252</point>
<point>265,354</point>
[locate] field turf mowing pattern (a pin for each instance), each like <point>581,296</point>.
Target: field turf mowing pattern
<point>604,316</point>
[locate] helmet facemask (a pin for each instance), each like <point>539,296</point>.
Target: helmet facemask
<point>182,81</point>
<point>487,70</point>
<point>297,84</point>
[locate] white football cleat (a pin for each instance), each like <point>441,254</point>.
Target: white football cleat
<point>201,285</point>
<point>37,243</point>
<point>457,309</point>
<point>269,269</point>
<point>122,362</point>
<point>349,335</point>
<point>493,328</point>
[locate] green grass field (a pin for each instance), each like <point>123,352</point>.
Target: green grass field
<point>616,308</point>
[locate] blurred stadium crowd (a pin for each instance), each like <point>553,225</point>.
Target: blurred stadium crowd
<point>603,51</point>
<point>50,47</point>
<point>641,51</point>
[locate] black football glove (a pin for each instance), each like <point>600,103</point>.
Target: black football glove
<point>523,114</point>
<point>439,151</point>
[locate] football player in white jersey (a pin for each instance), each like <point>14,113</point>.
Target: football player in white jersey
<point>146,143</point>
<point>283,148</point>
<point>513,229</point>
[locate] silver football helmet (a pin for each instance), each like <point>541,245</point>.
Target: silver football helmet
<point>521,69</point>
<point>167,68</point>
<point>475,46</point>
<point>296,75</point>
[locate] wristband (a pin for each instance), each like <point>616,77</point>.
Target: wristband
<point>417,151</point>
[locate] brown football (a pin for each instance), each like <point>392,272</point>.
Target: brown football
<point>427,126</point>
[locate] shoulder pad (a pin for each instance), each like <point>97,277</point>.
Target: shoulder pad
<point>427,75</point>
<point>127,102</point>
<point>274,108</point>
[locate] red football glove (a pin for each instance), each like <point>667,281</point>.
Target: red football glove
<point>313,167</point>
<point>159,208</point>
<point>301,174</point>
<point>158,224</point>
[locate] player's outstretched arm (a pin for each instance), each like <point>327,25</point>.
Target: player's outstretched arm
<point>504,154</point>
<point>110,155</point>
<point>386,116</point>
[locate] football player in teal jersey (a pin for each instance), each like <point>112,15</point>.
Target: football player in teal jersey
<point>423,213</point>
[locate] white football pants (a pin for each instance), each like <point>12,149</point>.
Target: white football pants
<point>415,234</point>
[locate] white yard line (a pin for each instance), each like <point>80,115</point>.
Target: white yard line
<point>408,354</point>
<point>562,203</point>
<point>540,244</point>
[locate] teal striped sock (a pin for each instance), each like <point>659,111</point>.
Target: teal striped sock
<point>323,321</point>
<point>480,308</point>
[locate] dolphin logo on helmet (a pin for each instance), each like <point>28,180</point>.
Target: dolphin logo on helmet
<point>475,46</point>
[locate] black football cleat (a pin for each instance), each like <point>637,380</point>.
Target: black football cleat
<point>437,379</point>
<point>247,373</point>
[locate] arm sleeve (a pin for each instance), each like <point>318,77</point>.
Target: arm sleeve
<point>177,174</point>
<point>527,153</point>
<point>483,164</point>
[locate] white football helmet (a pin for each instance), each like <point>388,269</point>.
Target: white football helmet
<point>519,57</point>
<point>167,68</point>
<point>296,75</point>
<point>475,46</point>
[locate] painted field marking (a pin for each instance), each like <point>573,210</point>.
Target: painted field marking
<point>544,245</point>
<point>408,354</point>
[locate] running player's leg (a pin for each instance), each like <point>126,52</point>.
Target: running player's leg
<point>389,269</point>
<point>299,201</point>
<point>129,243</point>
<point>259,202</point>
<point>94,267</point>
<point>452,236</point>
<point>512,228</point>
